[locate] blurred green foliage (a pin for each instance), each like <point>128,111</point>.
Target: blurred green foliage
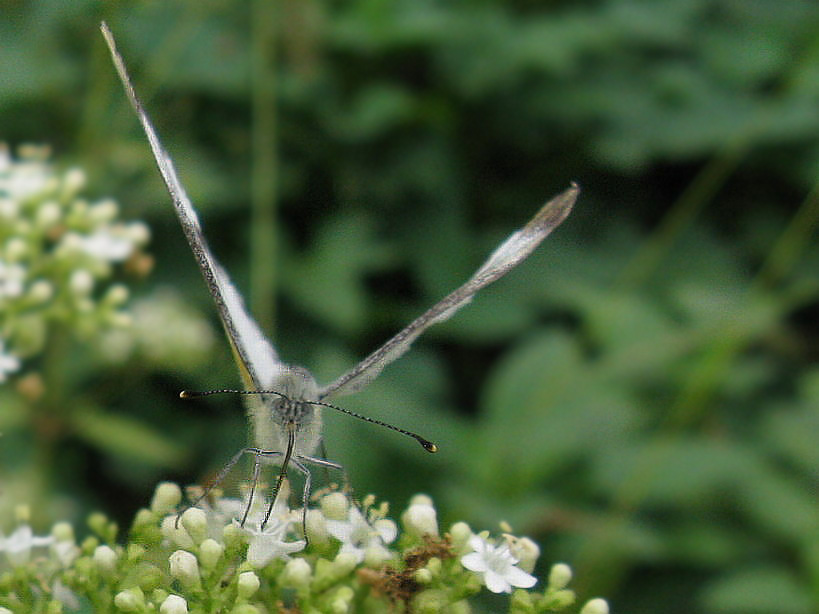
<point>640,396</point>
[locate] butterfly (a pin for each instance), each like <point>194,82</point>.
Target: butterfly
<point>285,401</point>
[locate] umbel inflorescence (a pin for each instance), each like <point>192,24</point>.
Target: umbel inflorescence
<point>58,252</point>
<point>355,559</point>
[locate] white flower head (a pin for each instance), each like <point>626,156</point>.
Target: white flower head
<point>107,245</point>
<point>497,565</point>
<point>269,542</point>
<point>18,545</point>
<point>359,537</point>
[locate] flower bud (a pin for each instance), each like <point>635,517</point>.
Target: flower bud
<point>595,606</point>
<point>317,528</point>
<point>335,506</point>
<point>559,576</point>
<point>185,568</point>
<point>460,534</point>
<point>420,519</point>
<point>422,576</point>
<point>430,601</point>
<point>344,563</point>
<point>81,282</point>
<point>176,533</point>
<point>130,600</point>
<point>340,603</point>
<point>210,551</point>
<point>196,524</point>
<point>73,182</point>
<point>526,552</point>
<point>559,600</point>
<point>139,232</point>
<point>103,212</point>
<point>166,497</point>
<point>63,531</point>
<point>248,584</point>
<point>15,249</point>
<point>174,604</point>
<point>105,559</point>
<point>116,295</point>
<point>297,574</point>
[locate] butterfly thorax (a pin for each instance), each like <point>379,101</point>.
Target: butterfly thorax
<point>292,411</point>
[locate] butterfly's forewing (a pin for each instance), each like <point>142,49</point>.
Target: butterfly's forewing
<point>258,362</point>
<point>508,255</point>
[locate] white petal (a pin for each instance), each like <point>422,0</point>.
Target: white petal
<point>474,562</point>
<point>496,582</point>
<point>518,577</point>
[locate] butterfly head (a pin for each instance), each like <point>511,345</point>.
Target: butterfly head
<point>292,410</point>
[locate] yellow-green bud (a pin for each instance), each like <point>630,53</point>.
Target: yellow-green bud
<point>317,528</point>
<point>196,524</point>
<point>422,576</point>
<point>460,534</point>
<point>434,566</point>
<point>559,576</point>
<point>526,552</point>
<point>247,584</point>
<point>22,513</point>
<point>105,559</point>
<point>595,606</point>
<point>63,532</point>
<point>297,573</point>
<point>341,601</point>
<point>166,497</point>
<point>176,533</point>
<point>130,600</point>
<point>81,282</point>
<point>430,601</point>
<point>335,506</point>
<point>210,551</point>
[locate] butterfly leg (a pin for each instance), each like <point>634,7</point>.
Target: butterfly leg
<point>219,478</point>
<point>257,468</point>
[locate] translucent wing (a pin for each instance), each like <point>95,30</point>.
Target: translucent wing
<point>259,364</point>
<point>507,256</point>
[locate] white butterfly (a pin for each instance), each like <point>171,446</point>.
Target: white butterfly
<point>286,419</point>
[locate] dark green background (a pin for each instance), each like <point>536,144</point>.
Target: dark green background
<point>640,396</point>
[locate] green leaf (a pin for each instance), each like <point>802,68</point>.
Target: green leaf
<point>126,438</point>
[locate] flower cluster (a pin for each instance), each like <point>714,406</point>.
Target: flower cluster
<point>166,331</point>
<point>353,558</point>
<point>57,255</point>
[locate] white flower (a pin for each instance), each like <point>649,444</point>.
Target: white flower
<point>358,537</point>
<point>269,542</point>
<point>497,565</point>
<point>105,245</point>
<point>9,363</point>
<point>18,545</point>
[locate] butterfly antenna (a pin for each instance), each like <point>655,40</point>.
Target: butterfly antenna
<point>425,443</point>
